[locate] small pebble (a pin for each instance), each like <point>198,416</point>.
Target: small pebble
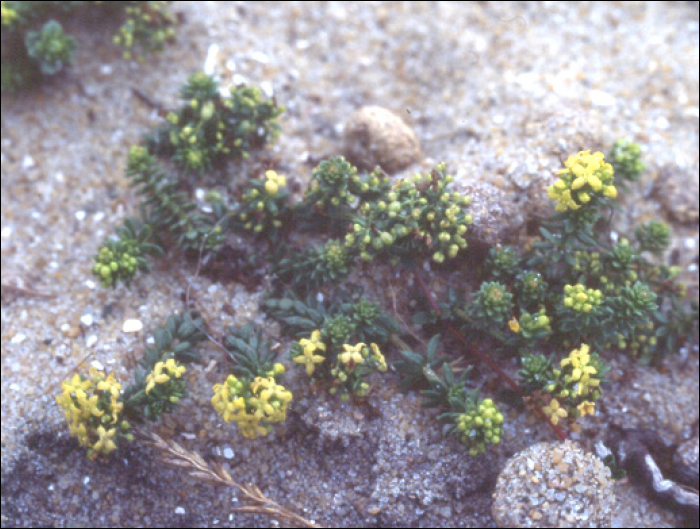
<point>376,136</point>
<point>132,326</point>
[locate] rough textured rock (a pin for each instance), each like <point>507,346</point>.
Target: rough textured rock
<point>554,485</point>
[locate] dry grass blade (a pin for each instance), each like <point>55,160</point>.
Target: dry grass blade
<point>14,284</point>
<point>198,468</point>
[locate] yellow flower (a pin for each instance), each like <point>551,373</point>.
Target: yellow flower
<point>314,343</point>
<point>274,182</point>
<point>162,372</point>
<point>106,443</point>
<point>581,371</point>
<point>308,357</point>
<point>554,411</point>
<point>586,407</point>
<point>514,325</point>
<point>378,357</point>
<point>586,172</point>
<point>352,354</point>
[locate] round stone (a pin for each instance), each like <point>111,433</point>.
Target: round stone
<point>376,136</point>
<point>575,485</point>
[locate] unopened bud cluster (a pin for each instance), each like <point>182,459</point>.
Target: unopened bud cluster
<point>420,216</point>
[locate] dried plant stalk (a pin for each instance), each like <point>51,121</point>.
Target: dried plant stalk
<point>215,474</point>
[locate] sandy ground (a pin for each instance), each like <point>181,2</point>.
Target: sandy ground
<point>499,91</point>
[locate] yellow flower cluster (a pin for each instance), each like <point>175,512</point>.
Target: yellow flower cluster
<point>354,364</point>
<point>578,370</point>
<point>162,372</point>
<point>576,387</point>
<point>584,176</point>
<point>92,409</point>
<point>254,406</point>
<point>308,358</point>
<point>273,182</point>
<point>354,355</point>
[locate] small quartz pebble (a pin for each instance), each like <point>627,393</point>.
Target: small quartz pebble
<point>556,485</point>
<point>132,326</point>
<point>376,136</point>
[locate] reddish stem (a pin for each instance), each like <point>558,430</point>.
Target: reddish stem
<point>474,351</point>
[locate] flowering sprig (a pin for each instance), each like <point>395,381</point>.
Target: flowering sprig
<point>263,206</point>
<point>479,425</point>
<point>625,157</point>
<point>585,177</point>
<point>418,218</point>
<point>336,190</point>
<point>148,27</point>
<point>310,352</point>
<point>582,299</point>
<point>119,260</point>
<point>343,368</point>
<point>568,392</point>
<point>253,405</point>
<point>210,129</point>
<point>93,408</point>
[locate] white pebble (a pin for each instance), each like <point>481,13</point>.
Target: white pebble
<point>319,297</point>
<point>97,365</point>
<point>6,232</point>
<point>27,162</point>
<point>239,79</point>
<point>87,319</point>
<point>18,338</point>
<point>228,452</point>
<point>132,326</point>
<point>260,57</point>
<point>80,215</point>
<point>91,340</point>
<point>266,86</point>
<point>690,243</point>
<point>90,284</point>
<point>662,122</point>
<point>601,99</point>
<point>179,510</point>
<point>210,61</point>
